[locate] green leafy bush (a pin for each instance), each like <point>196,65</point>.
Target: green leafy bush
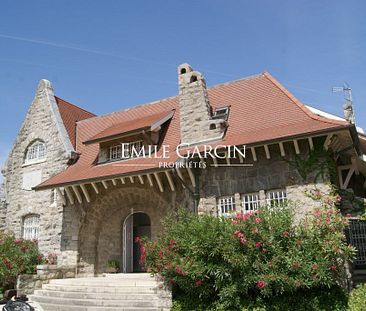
<point>357,299</point>
<point>317,299</point>
<point>17,256</point>
<point>219,262</point>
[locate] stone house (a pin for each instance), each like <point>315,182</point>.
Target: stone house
<point>85,186</point>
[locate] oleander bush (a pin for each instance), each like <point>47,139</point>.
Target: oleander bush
<point>222,263</point>
<point>17,256</point>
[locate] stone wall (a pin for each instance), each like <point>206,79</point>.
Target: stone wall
<point>266,174</point>
<point>40,124</point>
<point>27,283</point>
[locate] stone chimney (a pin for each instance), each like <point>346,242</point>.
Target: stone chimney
<point>196,122</point>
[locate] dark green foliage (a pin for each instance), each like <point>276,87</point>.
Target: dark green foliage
<point>219,262</point>
<point>17,256</point>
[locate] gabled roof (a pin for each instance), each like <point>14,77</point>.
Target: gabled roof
<point>71,114</point>
<point>261,110</point>
<point>148,123</point>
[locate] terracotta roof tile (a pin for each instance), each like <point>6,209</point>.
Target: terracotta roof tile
<point>130,126</point>
<point>71,114</point>
<point>261,110</point>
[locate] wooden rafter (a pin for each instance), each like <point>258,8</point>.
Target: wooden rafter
<point>104,183</point>
<point>69,195</point>
<point>61,196</point>
<point>311,143</point>
<point>77,193</point>
<point>86,193</point>
<point>160,185</point>
<point>95,187</point>
<point>141,179</point>
<point>296,145</point>
<point>254,155</point>
<point>282,149</point>
<point>266,149</point>
<point>170,180</point>
<point>149,179</point>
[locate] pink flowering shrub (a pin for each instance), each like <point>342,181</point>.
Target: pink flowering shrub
<point>17,256</point>
<point>258,255</point>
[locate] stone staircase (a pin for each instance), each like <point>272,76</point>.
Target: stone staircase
<point>110,292</point>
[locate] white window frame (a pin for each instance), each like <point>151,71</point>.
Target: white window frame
<point>277,197</point>
<point>30,229</point>
<point>115,152</point>
<point>225,205</point>
<point>36,152</point>
<point>250,202</point>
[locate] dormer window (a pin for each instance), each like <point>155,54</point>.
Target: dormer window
<point>126,150</point>
<point>221,113</point>
<point>35,152</point>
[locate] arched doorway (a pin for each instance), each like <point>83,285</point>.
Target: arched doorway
<point>135,225</point>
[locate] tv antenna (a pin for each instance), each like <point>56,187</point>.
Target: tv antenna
<point>348,105</point>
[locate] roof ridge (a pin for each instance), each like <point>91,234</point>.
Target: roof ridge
<point>171,97</point>
<point>67,102</point>
<point>129,108</point>
<point>308,112</point>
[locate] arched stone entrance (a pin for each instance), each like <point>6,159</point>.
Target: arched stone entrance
<point>101,231</point>
<point>136,225</point>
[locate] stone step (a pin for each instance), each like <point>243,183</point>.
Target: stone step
<point>128,282</point>
<point>126,275</point>
<point>56,307</point>
<point>148,303</point>
<point>108,292</point>
<point>88,295</point>
<point>101,289</point>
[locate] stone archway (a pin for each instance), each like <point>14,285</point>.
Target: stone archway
<point>100,235</point>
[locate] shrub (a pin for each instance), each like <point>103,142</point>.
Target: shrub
<point>17,256</point>
<point>218,262</point>
<point>357,300</point>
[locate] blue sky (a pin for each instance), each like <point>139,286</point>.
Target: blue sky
<point>108,55</point>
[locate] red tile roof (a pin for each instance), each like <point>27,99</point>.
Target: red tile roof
<point>261,110</point>
<point>71,114</point>
<point>116,130</point>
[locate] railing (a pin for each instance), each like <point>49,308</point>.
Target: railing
<point>357,238</point>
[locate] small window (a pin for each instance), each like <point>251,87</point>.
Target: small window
<point>221,113</point>
<point>276,197</point>
<point>212,126</point>
<point>126,150</point>
<point>250,202</point>
<point>35,152</point>
<point>226,205</point>
<point>115,152</point>
<point>30,227</point>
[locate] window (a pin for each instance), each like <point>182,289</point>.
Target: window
<point>250,202</point>
<point>221,113</point>
<point>30,227</point>
<point>35,152</point>
<point>276,197</point>
<point>126,150</point>
<point>115,152</point>
<point>226,205</point>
